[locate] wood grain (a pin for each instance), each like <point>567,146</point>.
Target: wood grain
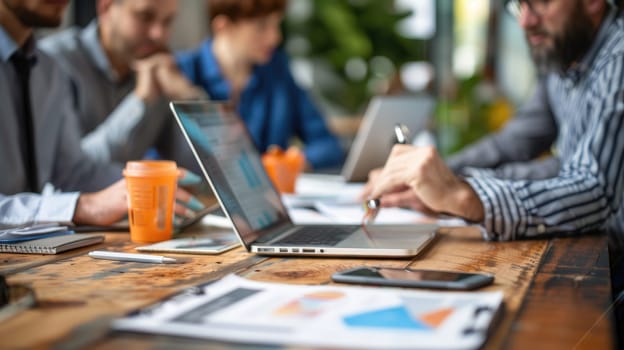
<point>556,290</point>
<point>74,290</point>
<point>568,306</point>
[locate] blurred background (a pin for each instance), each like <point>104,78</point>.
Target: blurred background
<point>469,54</point>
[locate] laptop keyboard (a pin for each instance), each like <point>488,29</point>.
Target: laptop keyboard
<point>318,235</point>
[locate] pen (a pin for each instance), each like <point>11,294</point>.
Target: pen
<point>146,258</point>
<point>372,206</point>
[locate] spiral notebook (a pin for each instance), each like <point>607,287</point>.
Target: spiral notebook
<point>51,245</point>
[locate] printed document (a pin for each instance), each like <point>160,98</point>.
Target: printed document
<point>239,310</point>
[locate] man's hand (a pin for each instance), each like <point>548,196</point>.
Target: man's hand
<point>158,76</point>
<point>373,176</point>
<point>104,207</point>
<point>173,84</point>
<point>432,183</point>
<point>186,204</point>
<point>402,197</point>
<point>147,86</point>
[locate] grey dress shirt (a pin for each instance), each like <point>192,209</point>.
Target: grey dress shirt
<point>511,152</point>
<point>60,161</point>
<point>116,125</point>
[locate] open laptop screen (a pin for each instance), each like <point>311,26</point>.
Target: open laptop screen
<point>233,166</point>
<point>375,137</point>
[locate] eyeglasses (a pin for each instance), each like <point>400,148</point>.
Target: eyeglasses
<point>537,7</point>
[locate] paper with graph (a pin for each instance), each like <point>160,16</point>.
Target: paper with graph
<point>239,310</point>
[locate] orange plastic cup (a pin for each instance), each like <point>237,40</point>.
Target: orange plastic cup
<point>283,168</point>
<point>151,197</point>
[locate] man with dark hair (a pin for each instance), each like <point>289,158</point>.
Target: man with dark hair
<point>579,46</point>
<point>511,152</point>
<point>39,142</point>
<point>242,63</point>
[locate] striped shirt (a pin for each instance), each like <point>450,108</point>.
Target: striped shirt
<point>588,104</point>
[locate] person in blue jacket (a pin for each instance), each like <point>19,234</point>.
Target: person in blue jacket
<point>242,63</point>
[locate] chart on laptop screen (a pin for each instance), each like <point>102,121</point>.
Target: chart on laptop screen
<point>234,166</point>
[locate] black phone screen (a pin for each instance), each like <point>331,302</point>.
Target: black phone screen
<point>410,275</point>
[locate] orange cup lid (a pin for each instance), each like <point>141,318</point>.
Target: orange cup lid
<point>151,168</point>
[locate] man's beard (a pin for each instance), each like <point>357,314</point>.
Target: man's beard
<point>30,18</point>
<point>568,47</point>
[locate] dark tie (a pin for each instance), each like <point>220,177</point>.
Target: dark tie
<point>22,66</point>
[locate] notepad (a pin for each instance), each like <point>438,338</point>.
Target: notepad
<point>51,245</point>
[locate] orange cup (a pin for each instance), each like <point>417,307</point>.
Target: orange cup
<point>151,197</point>
<point>283,167</point>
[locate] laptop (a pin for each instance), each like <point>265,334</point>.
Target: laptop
<point>232,165</point>
<point>375,137</point>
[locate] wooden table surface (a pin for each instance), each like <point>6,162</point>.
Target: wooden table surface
<point>557,291</point>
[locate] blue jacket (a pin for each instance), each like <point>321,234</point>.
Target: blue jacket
<point>273,107</point>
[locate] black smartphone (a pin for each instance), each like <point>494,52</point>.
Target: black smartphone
<point>413,278</point>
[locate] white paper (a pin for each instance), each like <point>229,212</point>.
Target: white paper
<point>308,216</point>
<point>239,310</point>
<point>338,202</point>
<point>327,186</point>
<point>352,214</point>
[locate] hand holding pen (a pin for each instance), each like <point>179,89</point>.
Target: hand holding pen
<point>418,178</point>
<point>372,205</point>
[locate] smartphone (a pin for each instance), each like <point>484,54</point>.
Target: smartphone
<point>413,278</point>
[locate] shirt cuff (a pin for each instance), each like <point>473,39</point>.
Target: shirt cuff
<point>506,216</point>
<point>488,209</point>
<point>58,207</point>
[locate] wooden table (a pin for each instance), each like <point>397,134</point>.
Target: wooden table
<point>557,291</point>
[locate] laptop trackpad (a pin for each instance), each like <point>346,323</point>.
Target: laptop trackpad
<point>390,236</point>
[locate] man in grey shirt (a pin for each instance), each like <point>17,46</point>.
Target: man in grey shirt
<point>50,154</point>
<point>121,78</point>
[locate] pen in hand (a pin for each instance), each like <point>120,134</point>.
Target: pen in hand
<point>146,258</point>
<point>372,205</point>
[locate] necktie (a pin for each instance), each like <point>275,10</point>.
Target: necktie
<point>22,66</point>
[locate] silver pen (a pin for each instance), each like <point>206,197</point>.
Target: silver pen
<point>146,258</point>
<point>372,206</point>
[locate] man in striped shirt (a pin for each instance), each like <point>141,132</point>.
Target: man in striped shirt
<point>578,45</point>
